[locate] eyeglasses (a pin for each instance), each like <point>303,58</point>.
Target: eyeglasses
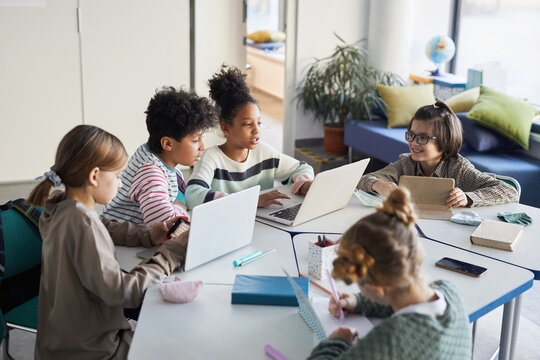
<point>420,139</point>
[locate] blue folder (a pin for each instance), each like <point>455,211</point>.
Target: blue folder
<point>266,290</point>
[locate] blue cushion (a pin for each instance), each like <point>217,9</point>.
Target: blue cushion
<point>482,139</point>
<point>375,139</point>
<point>521,167</point>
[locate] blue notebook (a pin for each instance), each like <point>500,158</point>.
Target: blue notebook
<point>266,290</point>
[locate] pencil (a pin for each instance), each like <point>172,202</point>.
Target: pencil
<point>318,285</point>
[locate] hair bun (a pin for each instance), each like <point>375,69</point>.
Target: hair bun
<point>226,84</point>
<point>399,204</point>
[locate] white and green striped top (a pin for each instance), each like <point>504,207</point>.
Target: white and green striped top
<point>216,174</point>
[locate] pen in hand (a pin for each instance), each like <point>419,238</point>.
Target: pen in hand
<point>335,295</point>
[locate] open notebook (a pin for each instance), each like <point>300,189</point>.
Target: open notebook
<point>429,195</point>
<point>318,318</point>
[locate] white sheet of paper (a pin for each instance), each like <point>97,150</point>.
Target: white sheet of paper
<point>330,323</point>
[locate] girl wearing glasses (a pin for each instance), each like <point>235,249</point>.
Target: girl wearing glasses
<point>435,137</point>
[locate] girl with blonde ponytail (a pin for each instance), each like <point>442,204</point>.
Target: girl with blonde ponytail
<point>83,291</point>
<point>382,255</point>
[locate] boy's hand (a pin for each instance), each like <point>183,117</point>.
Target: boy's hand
<point>347,302</point>
<point>269,198</point>
<point>182,238</point>
<point>457,198</point>
<point>345,333</point>
<point>158,231</point>
<point>384,188</point>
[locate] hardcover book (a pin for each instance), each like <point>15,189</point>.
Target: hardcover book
<point>266,290</point>
<point>497,234</point>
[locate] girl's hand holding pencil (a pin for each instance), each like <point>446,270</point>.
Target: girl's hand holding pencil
<point>347,302</point>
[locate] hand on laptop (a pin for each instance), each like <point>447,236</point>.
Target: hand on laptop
<point>384,188</point>
<point>271,197</point>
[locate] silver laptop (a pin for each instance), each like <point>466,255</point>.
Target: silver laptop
<point>331,190</point>
<point>219,227</point>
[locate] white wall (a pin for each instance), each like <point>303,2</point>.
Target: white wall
<point>430,18</point>
<point>390,35</point>
<point>127,49</point>
<point>316,23</point>
<point>130,48</point>
<point>219,35</point>
<point>40,96</point>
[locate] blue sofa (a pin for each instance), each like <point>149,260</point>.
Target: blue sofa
<point>375,139</point>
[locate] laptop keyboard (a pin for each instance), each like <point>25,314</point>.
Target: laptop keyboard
<point>288,213</point>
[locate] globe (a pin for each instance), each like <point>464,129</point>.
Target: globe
<point>440,49</point>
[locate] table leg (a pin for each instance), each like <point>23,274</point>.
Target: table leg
<point>350,154</point>
<point>473,333</point>
<point>506,330</point>
<point>515,326</point>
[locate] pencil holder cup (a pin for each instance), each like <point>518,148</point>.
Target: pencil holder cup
<point>320,258</point>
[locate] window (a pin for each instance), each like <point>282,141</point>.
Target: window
<point>263,15</point>
<point>502,34</point>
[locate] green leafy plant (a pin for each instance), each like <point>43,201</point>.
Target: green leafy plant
<point>343,85</point>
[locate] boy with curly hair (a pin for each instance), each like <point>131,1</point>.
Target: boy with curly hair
<point>153,190</point>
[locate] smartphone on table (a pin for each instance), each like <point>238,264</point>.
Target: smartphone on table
<point>181,225</point>
<point>461,267</point>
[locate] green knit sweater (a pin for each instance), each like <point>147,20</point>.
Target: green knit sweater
<point>408,336</point>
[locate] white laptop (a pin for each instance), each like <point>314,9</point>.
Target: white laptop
<point>331,190</point>
<point>219,227</point>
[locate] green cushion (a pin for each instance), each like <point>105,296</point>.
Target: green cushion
<point>504,114</point>
<point>25,314</point>
<point>22,243</point>
<point>401,102</point>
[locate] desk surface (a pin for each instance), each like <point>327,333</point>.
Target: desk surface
<point>525,254</point>
<point>210,327</point>
<point>480,294</point>
<point>222,271</point>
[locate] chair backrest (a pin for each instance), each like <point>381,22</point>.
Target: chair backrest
<point>20,240</point>
<point>2,328</point>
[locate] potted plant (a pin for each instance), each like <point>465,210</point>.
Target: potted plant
<point>342,86</point>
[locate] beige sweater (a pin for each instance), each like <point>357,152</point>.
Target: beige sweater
<point>83,291</point>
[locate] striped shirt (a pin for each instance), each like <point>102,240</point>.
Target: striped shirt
<point>481,188</point>
<point>149,190</point>
<point>216,174</point>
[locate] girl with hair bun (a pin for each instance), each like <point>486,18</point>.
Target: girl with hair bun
<point>83,291</point>
<point>421,321</point>
<point>435,136</point>
<point>243,160</point>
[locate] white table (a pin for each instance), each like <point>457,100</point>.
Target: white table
<point>526,253</point>
<point>222,271</point>
<point>502,284</point>
<point>210,327</point>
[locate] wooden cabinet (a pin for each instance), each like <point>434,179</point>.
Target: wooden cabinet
<point>267,71</point>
